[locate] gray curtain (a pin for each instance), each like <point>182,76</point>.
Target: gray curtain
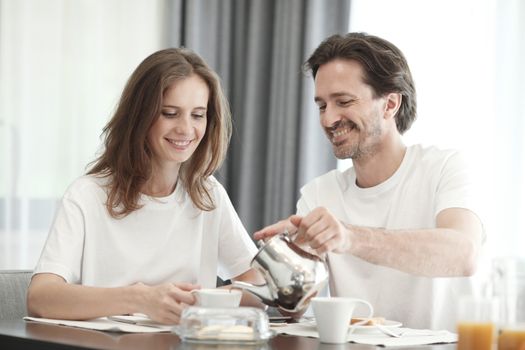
<point>258,47</point>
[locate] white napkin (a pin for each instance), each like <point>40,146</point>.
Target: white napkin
<point>410,336</point>
<point>133,325</point>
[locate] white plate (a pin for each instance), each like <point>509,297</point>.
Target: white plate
<point>362,329</point>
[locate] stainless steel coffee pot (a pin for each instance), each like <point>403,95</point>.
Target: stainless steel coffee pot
<point>292,275</point>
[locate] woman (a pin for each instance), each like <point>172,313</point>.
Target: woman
<point>149,222</point>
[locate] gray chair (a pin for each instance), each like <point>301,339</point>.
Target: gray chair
<point>13,290</point>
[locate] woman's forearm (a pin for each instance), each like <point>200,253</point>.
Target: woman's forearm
<point>49,296</point>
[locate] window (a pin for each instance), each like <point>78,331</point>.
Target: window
<point>466,59</point>
<point>63,65</point>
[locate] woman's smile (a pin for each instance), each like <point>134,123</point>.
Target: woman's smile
<point>179,144</point>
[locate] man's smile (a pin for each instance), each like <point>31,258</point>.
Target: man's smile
<point>341,130</point>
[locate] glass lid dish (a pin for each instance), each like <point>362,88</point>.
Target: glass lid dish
<point>246,325</point>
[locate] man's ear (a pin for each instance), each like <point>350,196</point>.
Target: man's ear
<point>392,104</point>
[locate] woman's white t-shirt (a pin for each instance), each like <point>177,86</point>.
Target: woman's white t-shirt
<point>167,240</point>
<point>427,181</point>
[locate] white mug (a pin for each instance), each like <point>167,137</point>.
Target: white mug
<point>333,315</point>
<point>223,298</point>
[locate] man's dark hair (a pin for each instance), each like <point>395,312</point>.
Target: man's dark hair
<point>385,68</point>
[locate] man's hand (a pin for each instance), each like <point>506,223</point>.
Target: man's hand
<point>322,231</point>
<point>290,225</point>
<point>164,303</point>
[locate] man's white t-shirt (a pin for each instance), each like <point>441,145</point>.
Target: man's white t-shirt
<point>167,240</point>
<point>427,181</point>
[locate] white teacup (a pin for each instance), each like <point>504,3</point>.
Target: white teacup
<point>333,315</point>
<point>224,298</point>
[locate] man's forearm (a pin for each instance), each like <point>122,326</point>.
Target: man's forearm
<point>438,252</point>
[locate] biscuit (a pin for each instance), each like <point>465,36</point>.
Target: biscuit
<point>223,332</point>
<point>372,321</point>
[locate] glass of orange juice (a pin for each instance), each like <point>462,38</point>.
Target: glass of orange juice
<point>477,323</point>
<point>509,284</point>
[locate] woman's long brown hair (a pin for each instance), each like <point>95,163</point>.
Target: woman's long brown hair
<point>127,158</point>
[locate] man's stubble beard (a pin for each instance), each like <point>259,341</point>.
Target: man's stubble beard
<point>361,150</point>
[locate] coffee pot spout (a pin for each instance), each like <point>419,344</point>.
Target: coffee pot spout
<point>261,291</point>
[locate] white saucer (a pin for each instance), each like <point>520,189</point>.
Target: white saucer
<point>362,328</point>
<point>370,328</point>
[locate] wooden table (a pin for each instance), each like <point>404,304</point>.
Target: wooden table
<point>18,334</point>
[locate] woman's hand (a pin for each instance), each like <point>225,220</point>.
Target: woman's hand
<point>164,303</point>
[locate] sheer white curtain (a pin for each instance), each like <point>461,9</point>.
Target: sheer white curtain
<point>467,61</point>
<point>63,65</point>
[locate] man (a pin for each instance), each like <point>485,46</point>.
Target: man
<point>398,228</point>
